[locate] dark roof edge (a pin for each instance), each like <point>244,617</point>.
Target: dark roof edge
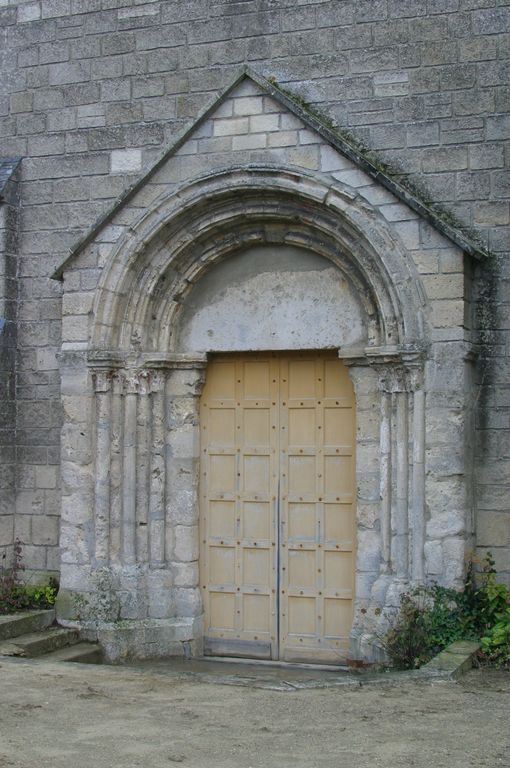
<point>331,136</point>
<point>353,153</point>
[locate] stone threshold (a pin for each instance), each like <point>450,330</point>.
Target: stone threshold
<point>447,666</point>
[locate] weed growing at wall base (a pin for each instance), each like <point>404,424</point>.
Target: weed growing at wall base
<point>430,618</point>
<point>15,595</point>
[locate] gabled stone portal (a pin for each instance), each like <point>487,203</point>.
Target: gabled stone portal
<point>259,230</point>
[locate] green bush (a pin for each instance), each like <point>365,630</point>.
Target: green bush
<point>496,641</point>
<point>430,618</point>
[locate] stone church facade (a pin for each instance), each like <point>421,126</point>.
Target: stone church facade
<point>255,314</point>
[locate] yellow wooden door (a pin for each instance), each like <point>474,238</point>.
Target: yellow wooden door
<point>277,506</point>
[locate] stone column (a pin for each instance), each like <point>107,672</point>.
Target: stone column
<point>116,433</point>
<point>368,478</point>
<point>390,383</point>
<point>129,466</point>
<point>400,472</point>
<point>184,387</point>
<point>77,541</point>
<point>102,387</point>
<point>129,472</point>
<point>157,472</point>
<point>385,481</point>
<point>417,507</point>
<point>144,437</point>
<point>402,469</point>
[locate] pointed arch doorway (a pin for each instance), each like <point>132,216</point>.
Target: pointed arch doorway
<point>277,492</point>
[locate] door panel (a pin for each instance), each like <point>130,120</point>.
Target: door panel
<point>277,506</point>
<point>238,493</point>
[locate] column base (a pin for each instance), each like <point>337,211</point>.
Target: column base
<point>129,640</point>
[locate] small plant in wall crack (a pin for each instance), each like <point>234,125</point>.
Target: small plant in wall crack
<point>11,598</point>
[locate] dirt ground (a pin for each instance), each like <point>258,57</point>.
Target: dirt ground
<point>72,716</point>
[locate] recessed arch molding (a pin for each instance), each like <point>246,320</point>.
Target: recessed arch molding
<point>182,236</point>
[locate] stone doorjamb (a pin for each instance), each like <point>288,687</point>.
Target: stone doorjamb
<point>390,412</point>
<point>134,585</point>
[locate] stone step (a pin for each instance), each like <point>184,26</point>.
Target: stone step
<point>39,643</point>
<point>24,622</point>
<point>86,653</point>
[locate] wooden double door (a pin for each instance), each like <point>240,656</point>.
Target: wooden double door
<point>277,492</point>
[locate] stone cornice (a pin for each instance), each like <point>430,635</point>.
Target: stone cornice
<point>100,360</point>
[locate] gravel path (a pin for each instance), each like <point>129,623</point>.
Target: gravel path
<point>72,716</point>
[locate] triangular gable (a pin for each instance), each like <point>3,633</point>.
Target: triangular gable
<point>313,121</point>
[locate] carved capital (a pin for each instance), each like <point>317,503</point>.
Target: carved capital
<point>131,383</point>
<point>400,378</point>
<point>123,381</point>
<point>102,380</point>
<point>393,378</point>
<point>157,380</point>
<point>199,381</point>
<point>118,382</point>
<point>416,377</point>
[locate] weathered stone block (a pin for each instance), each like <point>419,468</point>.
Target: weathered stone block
<point>75,328</point>
<point>115,90</point>
<point>45,530</point>
<point>454,551</point>
<point>186,543</point>
<point>7,530</point>
<point>126,160</point>
<point>183,507</point>
<point>46,477</point>
<point>188,602</point>
<point>331,160</point>
<point>69,72</point>
<point>77,303</point>
<point>29,12</point>
<point>369,544</point>
<point>444,286</point>
<point>433,558</point>
<point>491,21</point>
<point>493,528</point>
<point>230,126</point>
<point>161,604</point>
<point>247,105</point>
<point>264,123</point>
<point>185,574</point>
<point>30,503</point>
<point>447,313</point>
<point>250,141</point>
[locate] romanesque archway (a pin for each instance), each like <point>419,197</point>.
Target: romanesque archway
<point>148,374</point>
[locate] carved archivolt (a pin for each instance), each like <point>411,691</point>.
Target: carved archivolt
<point>182,236</point>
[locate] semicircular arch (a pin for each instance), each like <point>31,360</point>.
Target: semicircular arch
<point>183,235</point>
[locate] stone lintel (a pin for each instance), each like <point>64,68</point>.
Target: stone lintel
<point>105,359</point>
<point>175,360</point>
